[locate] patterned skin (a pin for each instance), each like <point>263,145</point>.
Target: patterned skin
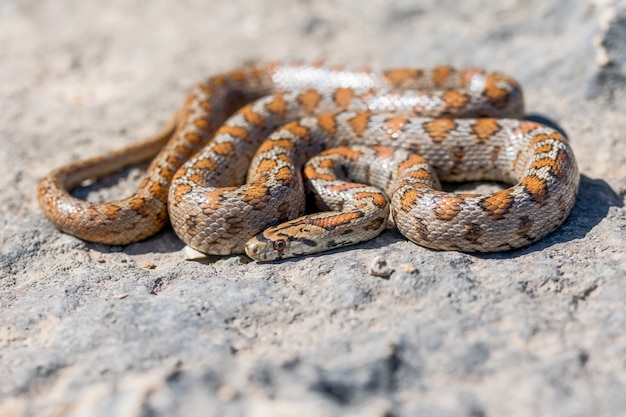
<point>214,213</point>
<point>353,212</point>
<point>536,159</point>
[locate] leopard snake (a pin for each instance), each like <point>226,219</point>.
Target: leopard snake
<point>227,170</point>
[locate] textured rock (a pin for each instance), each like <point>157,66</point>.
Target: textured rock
<point>91,330</point>
<point>611,54</point>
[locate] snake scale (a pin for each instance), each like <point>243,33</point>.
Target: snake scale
<point>227,170</point>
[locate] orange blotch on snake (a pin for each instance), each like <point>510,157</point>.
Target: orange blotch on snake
<point>206,106</point>
<point>252,116</point>
<point>383,152</point>
<point>224,149</point>
<point>238,132</point>
<point>544,162</point>
<point>285,176</point>
<point>336,220</point>
<point>93,213</point>
<point>343,97</point>
<point>527,126</point>
<point>275,146</point>
<point>212,84</point>
<point>439,129</point>
<point>483,129</point>
<point>311,174</point>
<point>327,163</point>
<point>138,205</point>
<point>173,160</point>
<point>342,187</point>
<point>347,153</point>
<point>448,207</point>
<point>359,122</point>
<point>408,199</point>
<point>378,198</point>
<point>499,204</point>
<point>309,100</point>
<point>283,157</point>
<point>411,161</point>
<point>181,191</point>
<point>111,212</point>
<point>546,147</point>
<point>562,161</point>
<point>198,179</point>
<point>144,183</point>
<point>189,101</point>
<point>238,76</point>
<point>207,163</point>
<point>455,100</point>
<point>536,187</point>
<point>297,130</point>
<point>278,106</point>
<point>158,191</point>
<point>166,172</point>
<point>267,165</point>
<point>496,94</point>
<point>397,77</point>
<point>183,151</point>
<point>193,138</point>
<point>423,175</point>
<point>328,123</point>
<point>202,124</point>
<point>441,74</point>
<point>394,125</point>
<point>255,195</point>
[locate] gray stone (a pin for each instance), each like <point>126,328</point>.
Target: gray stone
<point>92,330</point>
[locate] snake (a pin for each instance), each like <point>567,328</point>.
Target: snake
<point>227,169</point>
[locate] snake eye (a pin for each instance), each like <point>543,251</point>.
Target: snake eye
<point>279,245</point>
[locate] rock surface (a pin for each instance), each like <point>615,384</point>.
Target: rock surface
<point>91,330</point>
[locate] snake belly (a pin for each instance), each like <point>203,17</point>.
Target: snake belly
<point>203,155</point>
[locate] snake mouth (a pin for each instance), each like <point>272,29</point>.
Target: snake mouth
<point>252,250</point>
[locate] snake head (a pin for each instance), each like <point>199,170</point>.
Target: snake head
<point>262,249</point>
<point>283,241</point>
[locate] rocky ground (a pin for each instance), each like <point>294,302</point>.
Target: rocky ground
<point>92,330</point>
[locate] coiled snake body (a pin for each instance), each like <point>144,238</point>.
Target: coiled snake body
<point>385,119</point>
